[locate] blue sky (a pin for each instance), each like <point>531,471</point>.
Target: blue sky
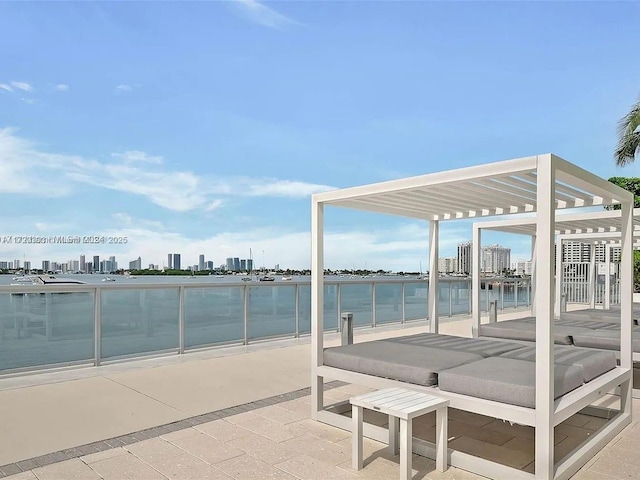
<point>204,127</point>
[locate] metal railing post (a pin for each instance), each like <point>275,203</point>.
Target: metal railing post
<point>246,315</point>
<point>97,326</point>
<point>403,292</point>
<point>339,305</point>
<point>450,300</point>
<point>297,307</point>
<point>501,294</point>
<point>181,319</point>
<point>373,304</point>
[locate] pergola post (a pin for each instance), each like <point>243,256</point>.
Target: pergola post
<point>434,278</point>
<point>534,270</point>
<point>607,277</point>
<point>475,280</point>
<point>558,283</point>
<point>545,232</point>
<point>317,302</point>
<point>592,276</point>
<point>626,302</point>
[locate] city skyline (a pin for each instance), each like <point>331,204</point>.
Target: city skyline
<point>212,138</point>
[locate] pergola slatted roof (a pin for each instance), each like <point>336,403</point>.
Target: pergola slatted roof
<point>494,189</point>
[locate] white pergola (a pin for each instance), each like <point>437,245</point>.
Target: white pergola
<point>604,226</point>
<point>540,184</point>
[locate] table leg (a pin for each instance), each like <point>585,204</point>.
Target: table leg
<point>441,438</point>
<point>356,438</point>
<point>394,423</point>
<point>406,450</point>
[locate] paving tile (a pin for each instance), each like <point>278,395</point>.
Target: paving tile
<point>208,449</point>
<point>380,467</point>
<point>595,423</point>
<point>571,431</point>
<point>44,460</point>
<point>10,469</point>
<point>329,452</point>
<point>578,420</point>
<point>247,467</point>
<point>22,476</point>
<point>187,467</point>
<point>469,417</point>
<point>74,469</point>
<point>26,465</point>
<point>298,406</point>
<point>105,455</point>
<point>305,467</point>
<point>590,475</point>
<point>125,467</point>
<point>614,466</point>
<point>223,430</point>
<point>264,426</point>
<point>453,474</point>
<point>264,449</point>
<point>279,414</point>
<point>318,429</point>
<point>563,448</point>
<point>185,432</point>
<point>496,453</point>
<point>153,449</point>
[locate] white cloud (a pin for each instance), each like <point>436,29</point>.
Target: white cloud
<point>61,87</point>
<point>22,86</point>
<point>4,86</point>
<point>123,88</point>
<point>131,156</point>
<point>259,13</point>
<point>26,168</point>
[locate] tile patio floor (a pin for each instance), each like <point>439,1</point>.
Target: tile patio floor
<point>270,436</point>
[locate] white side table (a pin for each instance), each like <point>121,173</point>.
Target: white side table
<point>401,406</point>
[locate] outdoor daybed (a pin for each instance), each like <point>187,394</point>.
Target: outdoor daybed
<point>502,371</point>
<point>540,393</point>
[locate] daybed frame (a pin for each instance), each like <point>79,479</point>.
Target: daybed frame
<point>538,184</point>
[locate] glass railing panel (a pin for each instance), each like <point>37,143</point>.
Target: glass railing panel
<point>415,300</point>
<point>213,315</point>
<point>443,298</point>
<point>356,298</point>
<point>38,329</point>
<point>330,308</point>
<point>388,302</point>
<point>460,295</point>
<point>508,296</point>
<point>272,311</point>
<point>139,321</point>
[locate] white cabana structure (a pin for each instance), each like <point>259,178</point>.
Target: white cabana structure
<point>541,184</point>
<point>595,227</point>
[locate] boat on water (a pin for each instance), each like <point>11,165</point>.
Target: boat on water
<point>45,280</point>
<point>286,278</point>
<point>108,279</point>
<point>267,278</point>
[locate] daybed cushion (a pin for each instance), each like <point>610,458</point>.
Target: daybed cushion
<point>605,339</point>
<point>505,380</point>
<point>482,347</point>
<point>592,362</point>
<point>407,363</point>
<point>515,330</point>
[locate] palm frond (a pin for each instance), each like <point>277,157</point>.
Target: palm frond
<point>628,137</point>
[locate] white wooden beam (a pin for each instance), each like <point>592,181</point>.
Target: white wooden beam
<point>434,277</point>
<point>317,302</point>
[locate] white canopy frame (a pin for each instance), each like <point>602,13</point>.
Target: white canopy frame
<point>540,184</point>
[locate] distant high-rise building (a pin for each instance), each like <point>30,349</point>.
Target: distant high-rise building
<point>27,265</point>
<point>495,259</point>
<point>96,263</point>
<point>136,264</point>
<point>83,264</point>
<point>74,265</point>
<point>464,258</point>
<point>4,265</point>
<point>170,261</point>
<point>447,264</point>
<point>243,265</point>
<point>114,264</point>
<point>176,261</point>
<point>201,262</point>
<point>249,265</point>
<point>210,265</point>
<point>229,264</point>
<point>522,267</point>
<point>16,264</point>
<point>46,265</point>
<point>236,264</point>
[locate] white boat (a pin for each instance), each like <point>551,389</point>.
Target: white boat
<point>108,279</point>
<point>286,278</point>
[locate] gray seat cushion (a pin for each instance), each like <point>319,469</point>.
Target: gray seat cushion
<point>482,347</point>
<point>515,330</point>
<point>592,362</point>
<point>605,339</point>
<point>407,363</point>
<point>506,380</point>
